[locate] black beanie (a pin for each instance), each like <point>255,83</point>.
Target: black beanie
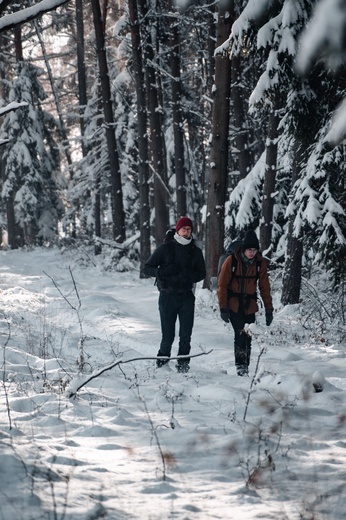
<point>250,240</point>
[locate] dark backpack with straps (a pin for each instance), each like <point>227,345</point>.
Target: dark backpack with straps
<point>168,239</point>
<point>169,236</point>
<point>230,250</point>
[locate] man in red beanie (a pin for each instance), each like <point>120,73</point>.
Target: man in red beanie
<point>237,286</point>
<point>177,265</point>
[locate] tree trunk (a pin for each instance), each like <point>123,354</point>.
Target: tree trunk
<point>217,186</point>
<point>62,127</point>
<point>269,184</point>
<point>178,131</point>
<point>156,137</point>
<point>11,224</point>
<point>82,88</point>
<point>239,118</point>
<point>143,157</point>
<point>291,283</point>
<point>18,43</point>
<point>118,215</point>
<point>97,191</point>
<point>12,230</point>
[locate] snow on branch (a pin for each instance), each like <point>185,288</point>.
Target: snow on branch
<point>25,15</point>
<point>324,40</point>
<point>124,245</point>
<point>12,106</point>
<point>246,196</point>
<point>252,13</point>
<point>324,36</point>
<point>337,132</point>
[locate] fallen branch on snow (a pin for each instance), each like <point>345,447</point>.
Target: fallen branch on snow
<point>81,380</point>
<point>123,246</point>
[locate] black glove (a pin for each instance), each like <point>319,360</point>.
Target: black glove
<point>188,272</point>
<point>225,315</point>
<point>269,317</point>
<point>169,270</point>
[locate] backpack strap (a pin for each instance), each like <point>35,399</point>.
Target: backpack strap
<point>243,277</point>
<point>234,267</point>
<point>170,256</point>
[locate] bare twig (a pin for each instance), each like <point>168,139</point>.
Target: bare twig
<point>252,382</point>
<point>153,429</point>
<point>60,292</point>
<point>72,392</point>
<point>81,359</point>
<point>4,374</point>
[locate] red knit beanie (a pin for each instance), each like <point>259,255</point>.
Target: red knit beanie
<point>182,222</point>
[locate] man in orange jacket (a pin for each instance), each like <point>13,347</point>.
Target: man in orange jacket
<point>237,284</point>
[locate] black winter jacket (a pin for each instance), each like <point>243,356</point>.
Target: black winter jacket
<point>188,259</point>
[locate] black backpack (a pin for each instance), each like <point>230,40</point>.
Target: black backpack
<point>230,250</point>
<point>169,236</point>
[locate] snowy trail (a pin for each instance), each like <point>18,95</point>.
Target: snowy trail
<point>138,442</point>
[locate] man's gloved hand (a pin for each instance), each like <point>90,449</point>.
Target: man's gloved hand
<point>188,272</point>
<point>269,317</point>
<point>169,270</point>
<point>225,315</point>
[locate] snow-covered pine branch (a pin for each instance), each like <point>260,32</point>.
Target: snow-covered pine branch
<point>25,15</point>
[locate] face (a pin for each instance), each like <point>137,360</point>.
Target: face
<point>250,253</point>
<point>185,232</point>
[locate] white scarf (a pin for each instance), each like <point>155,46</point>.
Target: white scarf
<point>182,240</point>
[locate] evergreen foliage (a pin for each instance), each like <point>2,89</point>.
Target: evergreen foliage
<point>31,175</point>
<point>46,194</point>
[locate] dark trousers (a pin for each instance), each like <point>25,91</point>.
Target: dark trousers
<point>173,305</point>
<point>242,341</point>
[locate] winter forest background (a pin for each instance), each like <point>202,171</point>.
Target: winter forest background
<point>119,117</point>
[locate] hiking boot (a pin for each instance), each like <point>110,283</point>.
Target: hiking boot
<point>242,370</point>
<point>183,368</point>
<point>161,362</point>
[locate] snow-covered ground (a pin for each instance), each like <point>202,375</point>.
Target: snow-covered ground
<point>138,442</point>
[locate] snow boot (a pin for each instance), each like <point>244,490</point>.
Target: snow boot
<point>242,370</point>
<point>161,362</point>
<point>183,367</point>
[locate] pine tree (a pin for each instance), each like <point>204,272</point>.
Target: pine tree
<point>31,177</point>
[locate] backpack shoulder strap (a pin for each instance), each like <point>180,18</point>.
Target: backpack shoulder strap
<point>171,251</point>
<point>234,264</point>
<point>258,268</point>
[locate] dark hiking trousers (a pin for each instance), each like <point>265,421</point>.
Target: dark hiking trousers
<point>242,341</point>
<point>173,305</point>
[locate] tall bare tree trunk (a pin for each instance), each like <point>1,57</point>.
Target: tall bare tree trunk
<point>97,189</point>
<point>291,283</point>
<point>118,214</point>
<point>143,156</point>
<point>178,131</point>
<point>62,127</point>
<point>12,228</point>
<point>11,223</point>
<point>268,200</point>
<point>217,186</point>
<point>82,88</point>
<point>238,118</point>
<point>156,136</point>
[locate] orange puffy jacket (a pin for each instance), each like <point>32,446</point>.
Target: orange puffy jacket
<point>237,290</point>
